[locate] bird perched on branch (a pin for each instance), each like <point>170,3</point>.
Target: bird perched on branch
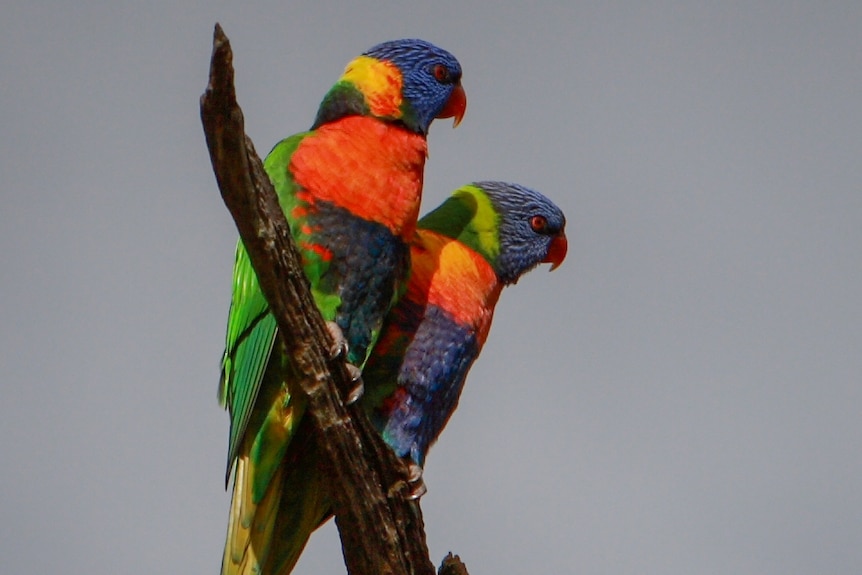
<point>484,237</point>
<point>350,188</point>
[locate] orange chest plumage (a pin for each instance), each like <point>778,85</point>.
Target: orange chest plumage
<point>371,168</point>
<point>454,278</point>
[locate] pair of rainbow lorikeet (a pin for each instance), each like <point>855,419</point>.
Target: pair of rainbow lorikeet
<point>413,300</point>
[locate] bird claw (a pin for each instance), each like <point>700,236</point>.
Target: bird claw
<point>358,385</point>
<point>413,488</point>
<point>339,346</point>
<point>339,349</point>
<point>414,472</point>
<point>417,491</point>
<point>415,482</point>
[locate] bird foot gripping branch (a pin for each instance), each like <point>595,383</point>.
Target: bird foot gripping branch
<point>340,348</point>
<point>413,488</point>
<point>415,482</point>
<point>358,388</point>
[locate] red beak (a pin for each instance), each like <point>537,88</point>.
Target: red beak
<point>557,251</point>
<point>455,106</point>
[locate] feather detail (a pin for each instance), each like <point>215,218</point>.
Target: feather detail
<point>258,479</point>
<point>250,524</point>
<point>453,277</point>
<point>304,505</point>
<point>379,81</point>
<point>415,375</point>
<point>349,163</point>
<point>483,237</point>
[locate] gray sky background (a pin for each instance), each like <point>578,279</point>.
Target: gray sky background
<point>682,396</point>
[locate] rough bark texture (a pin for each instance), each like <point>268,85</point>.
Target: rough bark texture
<point>452,566</point>
<point>381,532</point>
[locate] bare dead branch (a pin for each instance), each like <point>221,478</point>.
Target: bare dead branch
<point>452,565</point>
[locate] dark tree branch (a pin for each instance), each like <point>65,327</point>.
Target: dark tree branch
<point>381,532</point>
<point>452,565</point>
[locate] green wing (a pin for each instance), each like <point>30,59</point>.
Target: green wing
<point>251,333</point>
<point>251,328</point>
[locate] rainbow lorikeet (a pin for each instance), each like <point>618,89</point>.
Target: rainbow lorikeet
<point>484,237</point>
<point>350,188</point>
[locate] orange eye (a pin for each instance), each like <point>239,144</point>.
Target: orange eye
<point>441,73</point>
<point>538,223</point>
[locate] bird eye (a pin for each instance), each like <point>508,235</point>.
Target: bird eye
<point>441,73</point>
<point>539,224</point>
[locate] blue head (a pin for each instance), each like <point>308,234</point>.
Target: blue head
<point>407,81</point>
<point>531,229</point>
<point>513,227</point>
